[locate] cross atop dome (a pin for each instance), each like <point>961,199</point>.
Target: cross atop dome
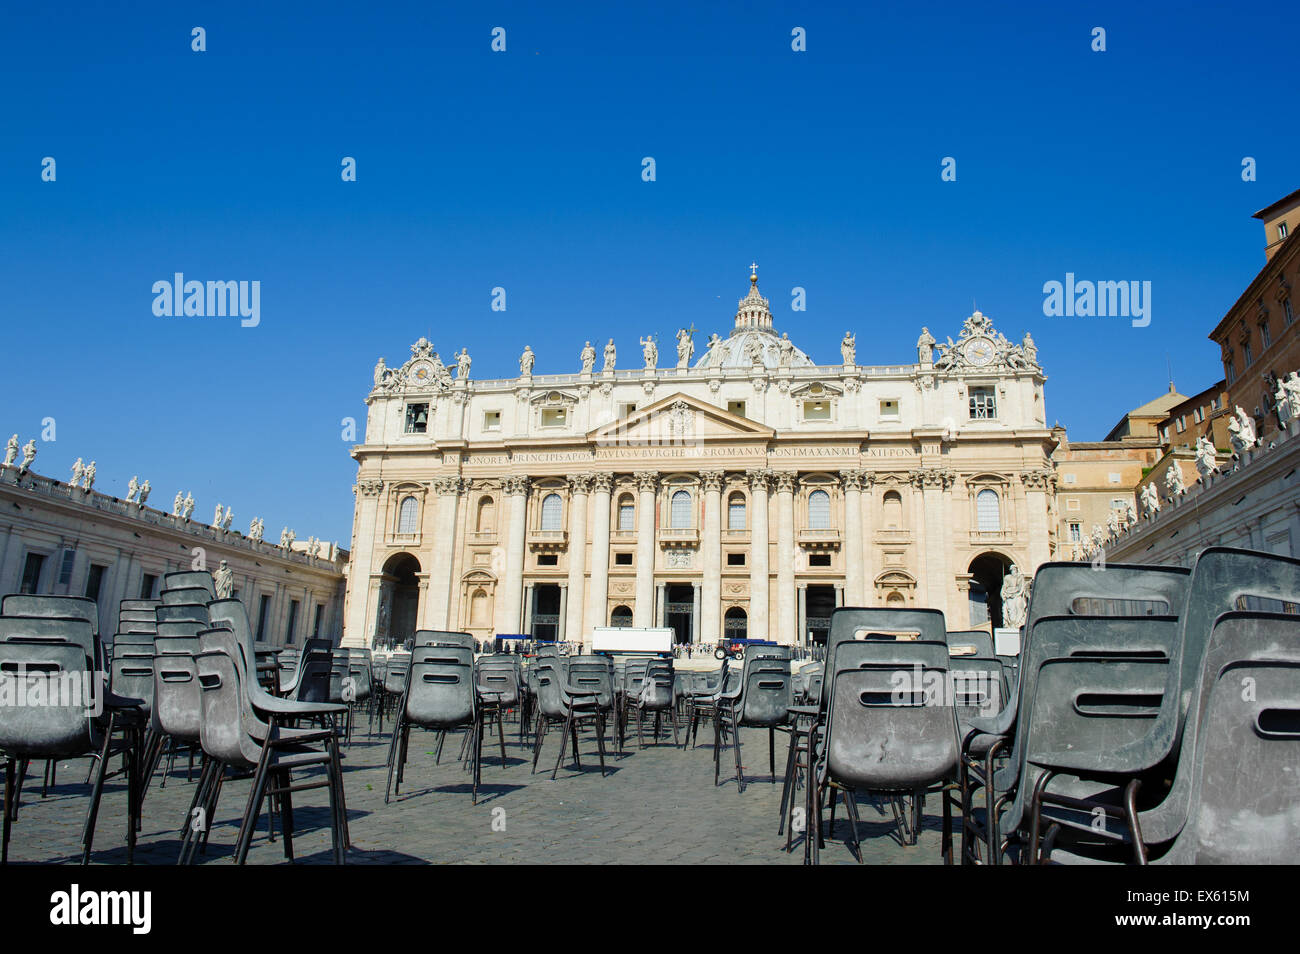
<point>753,313</point>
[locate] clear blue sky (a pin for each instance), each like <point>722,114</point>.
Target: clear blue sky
<point>522,169</point>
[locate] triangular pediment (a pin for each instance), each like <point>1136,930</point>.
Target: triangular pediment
<point>680,417</point>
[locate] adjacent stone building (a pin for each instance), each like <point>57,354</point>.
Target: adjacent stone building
<point>746,492</point>
<point>63,540</point>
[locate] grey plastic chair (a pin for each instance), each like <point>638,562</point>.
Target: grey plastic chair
<point>190,579</point>
<point>233,735</point>
<point>763,703</point>
<point>656,697</point>
<point>440,695</point>
<point>587,697</point>
<point>889,737</point>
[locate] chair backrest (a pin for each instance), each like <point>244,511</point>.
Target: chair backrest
<point>190,579</point>
<point>127,605</point>
<point>890,725</point>
<point>656,691</point>
<point>594,675</point>
<point>41,629</point>
<point>177,702</point>
<point>189,594</point>
<point>222,727</point>
<point>51,607</point>
<point>180,627</point>
<point>857,623</point>
<point>138,616</point>
<point>131,675</point>
<point>1236,778</point>
<point>548,684</point>
<point>396,671</point>
<point>499,685</point>
<point>437,637</point>
<point>196,612</point>
<point>970,642</point>
<point>768,694</point>
<point>1118,589</point>
<point>60,724</point>
<point>441,692</point>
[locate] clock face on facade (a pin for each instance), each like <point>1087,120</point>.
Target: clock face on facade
<point>979,351</point>
<point>421,373</point>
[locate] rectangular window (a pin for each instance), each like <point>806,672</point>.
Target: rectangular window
<point>316,621</point>
<point>1264,334</point>
<point>66,563</point>
<point>1180,425</point>
<point>819,559</point>
<point>736,407</point>
<point>1076,532</point>
<point>147,584</point>
<point>94,580</point>
<point>736,559</point>
<point>627,516</point>
<point>736,515</point>
<point>983,404</point>
<point>1118,503</point>
<point>1281,231</point>
<point>554,416</point>
<point>1114,478</point>
<point>816,410</point>
<point>622,559</point>
<point>417,418</point>
<point>548,559</point>
<point>263,611</point>
<point>491,420</point>
<point>1164,434</point>
<point>1198,415</point>
<point>1230,371</point>
<point>1287,315</point>
<point>889,409</point>
<point>1247,356</point>
<point>626,410</point>
<point>293,622</point>
<point>1071,478</point>
<point>32,573</point>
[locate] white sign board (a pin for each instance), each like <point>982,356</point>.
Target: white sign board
<point>629,639</point>
<point>1006,641</point>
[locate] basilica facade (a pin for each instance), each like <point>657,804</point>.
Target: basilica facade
<point>744,491</point>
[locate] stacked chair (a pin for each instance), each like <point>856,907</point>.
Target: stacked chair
<point>1157,718</point>
<point>885,725</point>
<point>761,701</point>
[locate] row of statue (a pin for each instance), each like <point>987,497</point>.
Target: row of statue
<point>11,455</point>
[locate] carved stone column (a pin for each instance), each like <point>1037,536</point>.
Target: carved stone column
<point>644,613</point>
<point>443,537</point>
<point>853,547</point>
<point>759,481</point>
<point>709,617</point>
<point>579,485</point>
<point>787,621</point>
<point>1039,485</point>
<point>510,616</point>
<point>934,484</point>
<point>361,597</point>
<point>598,595</point>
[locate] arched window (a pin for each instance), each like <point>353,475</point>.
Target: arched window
<point>487,515</point>
<point>988,511</point>
<point>622,616</point>
<point>626,513</point>
<point>736,511</point>
<point>478,608</point>
<point>408,515</point>
<point>819,510</point>
<point>893,511</point>
<point>552,512</point>
<point>680,514</point>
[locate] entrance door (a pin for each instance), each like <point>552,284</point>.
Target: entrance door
<point>679,611</point>
<point>820,604</point>
<point>546,611</point>
<point>735,624</point>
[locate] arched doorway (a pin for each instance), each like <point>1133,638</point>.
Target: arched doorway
<point>735,624</point>
<point>820,604</point>
<point>399,599</point>
<point>621,617</point>
<point>679,610</point>
<point>986,572</point>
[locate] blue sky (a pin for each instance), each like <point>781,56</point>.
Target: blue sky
<point>522,169</point>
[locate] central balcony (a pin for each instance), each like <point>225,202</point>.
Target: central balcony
<point>548,541</point>
<point>678,537</point>
<point>827,539</point>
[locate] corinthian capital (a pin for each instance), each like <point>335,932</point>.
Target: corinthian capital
<point>602,483</point>
<point>785,481</point>
<point>579,483</point>
<point>514,485</point>
<point>853,479</point>
<point>711,479</point>
<point>1038,479</point>
<point>759,479</point>
<point>646,480</point>
<point>447,486</point>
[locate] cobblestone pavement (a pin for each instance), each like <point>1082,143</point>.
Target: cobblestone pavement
<point>656,806</point>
